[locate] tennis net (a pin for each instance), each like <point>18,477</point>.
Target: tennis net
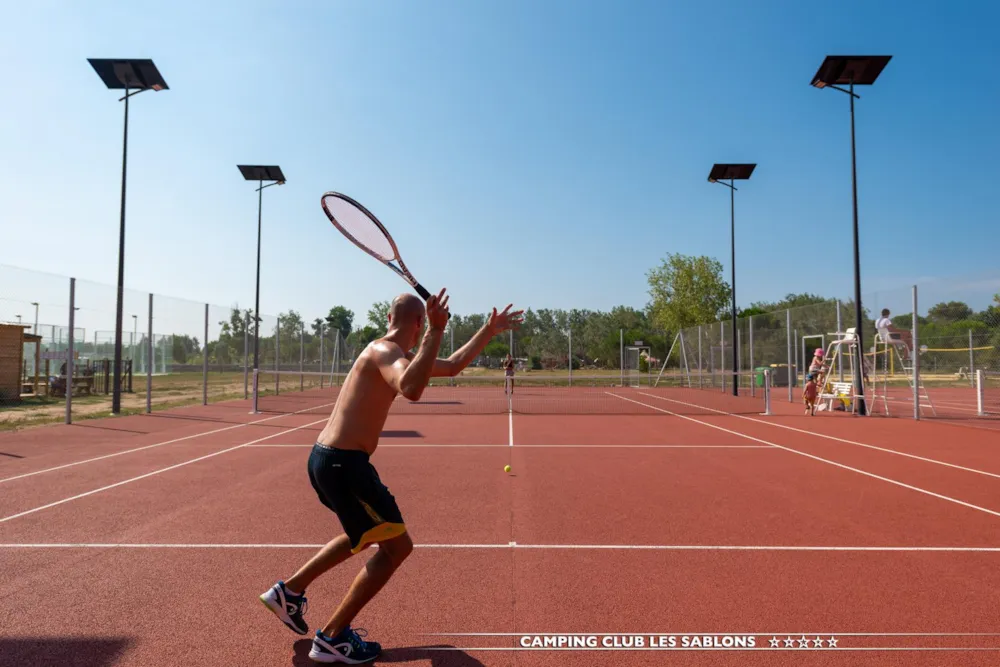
<point>706,393</point>
<point>988,392</point>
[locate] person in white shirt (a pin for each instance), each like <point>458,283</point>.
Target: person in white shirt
<point>884,326</point>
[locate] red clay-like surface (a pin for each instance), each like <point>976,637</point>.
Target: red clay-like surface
<point>580,480</point>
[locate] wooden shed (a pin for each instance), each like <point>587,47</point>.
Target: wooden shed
<point>13,384</point>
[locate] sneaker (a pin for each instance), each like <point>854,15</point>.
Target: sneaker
<point>347,647</point>
<point>289,608</point>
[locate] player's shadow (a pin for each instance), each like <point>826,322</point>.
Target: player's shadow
<point>68,652</point>
<point>440,655</point>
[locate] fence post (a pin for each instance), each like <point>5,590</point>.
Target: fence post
<point>204,363</point>
<point>621,354</point>
<point>972,362</point>
<point>916,360</point>
<point>722,350</point>
<point>277,358</point>
<point>840,335</point>
<point>570,334</point>
<point>700,367</point>
<point>322,354</point>
<point>302,355</point>
<point>788,338</point>
<point>69,351</point>
<point>753,384</point>
<point>149,365</point>
<point>246,354</point>
<point>451,336</point>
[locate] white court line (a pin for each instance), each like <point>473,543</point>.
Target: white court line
<point>835,438</point>
<point>158,444</point>
<point>758,649</point>
<point>516,545</point>
<point>818,458</point>
<point>711,634</point>
<point>463,446</point>
<point>155,472</point>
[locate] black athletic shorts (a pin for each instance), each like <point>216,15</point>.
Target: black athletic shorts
<point>347,483</point>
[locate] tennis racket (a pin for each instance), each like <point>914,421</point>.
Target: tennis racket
<point>364,230</point>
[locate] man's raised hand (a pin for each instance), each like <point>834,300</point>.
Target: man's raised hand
<point>505,320</point>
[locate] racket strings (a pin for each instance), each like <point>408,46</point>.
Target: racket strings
<point>359,227</point>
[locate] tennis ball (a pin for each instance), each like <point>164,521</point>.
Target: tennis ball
<point>506,468</point>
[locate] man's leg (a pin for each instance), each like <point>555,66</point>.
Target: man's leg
<point>369,582</point>
<point>334,553</point>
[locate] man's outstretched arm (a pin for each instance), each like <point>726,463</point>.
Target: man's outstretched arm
<point>497,323</point>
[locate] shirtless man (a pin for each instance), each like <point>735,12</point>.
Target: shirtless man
<point>348,484</point>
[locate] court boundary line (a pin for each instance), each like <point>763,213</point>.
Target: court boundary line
<point>150,474</point>
<point>461,446</point>
<point>516,545</point>
<point>837,439</point>
<point>821,459</point>
<point>156,444</point>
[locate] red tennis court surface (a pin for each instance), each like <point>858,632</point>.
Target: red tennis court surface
<point>712,538</point>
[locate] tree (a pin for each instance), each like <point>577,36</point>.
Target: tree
<point>342,319</point>
<point>685,291</point>
<point>359,338</point>
<point>378,316</point>
<point>953,311</point>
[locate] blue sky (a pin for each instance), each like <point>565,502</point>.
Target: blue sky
<point>545,153</point>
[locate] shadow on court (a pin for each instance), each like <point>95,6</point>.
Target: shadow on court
<point>65,652</point>
<point>440,655</point>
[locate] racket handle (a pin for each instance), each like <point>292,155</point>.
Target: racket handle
<point>424,294</point>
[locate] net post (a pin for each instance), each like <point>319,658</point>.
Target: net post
<point>246,354</point>
<point>69,351</point>
<point>753,385</point>
<point>972,359</point>
<point>204,362</point>
<point>767,392</point>
<point>788,339</point>
<point>277,357</point>
<point>149,359</point>
<point>980,391</point>
<point>915,360</point>
<point>302,355</point>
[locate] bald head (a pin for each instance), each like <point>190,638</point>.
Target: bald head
<point>406,309</point>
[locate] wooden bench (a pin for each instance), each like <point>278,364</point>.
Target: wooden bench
<point>81,384</point>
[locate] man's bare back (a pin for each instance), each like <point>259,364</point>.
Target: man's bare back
<point>364,401</point>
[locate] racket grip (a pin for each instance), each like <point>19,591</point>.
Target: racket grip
<point>424,294</point>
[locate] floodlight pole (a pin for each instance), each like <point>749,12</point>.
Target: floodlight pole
<point>732,239</point>
<point>256,311</point>
<point>116,397</point>
<point>256,306</point>
<point>858,384</point>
